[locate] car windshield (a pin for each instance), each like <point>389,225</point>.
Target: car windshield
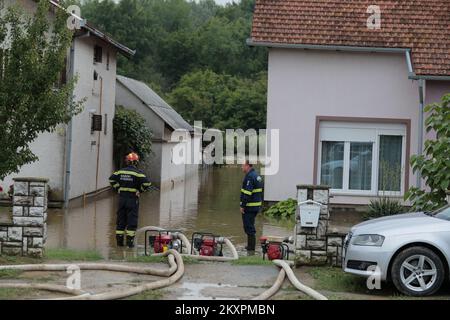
<point>443,213</point>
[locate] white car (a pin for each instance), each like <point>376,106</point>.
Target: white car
<point>411,250</point>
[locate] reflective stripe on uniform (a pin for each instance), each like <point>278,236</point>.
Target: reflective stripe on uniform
<point>120,232</point>
<point>116,185</point>
<point>251,192</point>
<point>254,204</point>
<point>128,189</point>
<point>145,185</point>
<point>131,232</point>
<point>131,173</point>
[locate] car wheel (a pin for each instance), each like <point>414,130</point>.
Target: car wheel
<point>417,271</point>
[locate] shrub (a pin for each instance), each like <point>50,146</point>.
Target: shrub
<point>282,209</point>
<point>384,207</point>
<point>433,165</point>
<point>131,134</point>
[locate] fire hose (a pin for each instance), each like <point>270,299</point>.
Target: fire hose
<point>297,284</point>
<point>285,269</point>
<point>266,295</point>
<point>174,273</point>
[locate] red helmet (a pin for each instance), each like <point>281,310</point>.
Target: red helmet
<point>131,157</point>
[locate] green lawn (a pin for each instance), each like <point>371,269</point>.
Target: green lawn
<point>9,273</point>
<point>148,295</point>
<point>72,255</point>
<point>334,279</point>
<point>251,260</point>
<point>16,294</point>
<point>159,259</point>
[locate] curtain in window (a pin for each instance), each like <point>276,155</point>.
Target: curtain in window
<point>390,163</point>
<point>332,166</point>
<point>360,166</point>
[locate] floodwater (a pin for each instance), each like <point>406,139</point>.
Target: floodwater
<point>207,202</point>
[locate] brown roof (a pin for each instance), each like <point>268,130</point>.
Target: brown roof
<point>423,26</point>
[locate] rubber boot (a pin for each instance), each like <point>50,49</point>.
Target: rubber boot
<point>119,240</point>
<point>251,242</point>
<point>130,241</point>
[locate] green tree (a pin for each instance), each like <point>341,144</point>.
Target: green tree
<point>178,42</point>
<point>32,99</point>
<point>200,95</point>
<point>131,134</point>
<point>176,37</point>
<point>221,101</point>
<point>434,164</point>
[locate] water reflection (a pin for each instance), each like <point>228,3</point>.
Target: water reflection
<point>84,227</point>
<point>207,200</point>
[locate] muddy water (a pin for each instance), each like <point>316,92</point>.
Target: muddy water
<point>207,201</point>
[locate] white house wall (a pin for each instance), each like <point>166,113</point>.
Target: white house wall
<point>84,145</point>
<point>49,148</point>
<point>152,166</point>
<point>170,172</point>
<point>306,84</point>
<point>127,99</point>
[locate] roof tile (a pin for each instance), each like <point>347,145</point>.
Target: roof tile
<point>420,25</point>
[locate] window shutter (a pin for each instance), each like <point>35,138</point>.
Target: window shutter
<point>96,122</point>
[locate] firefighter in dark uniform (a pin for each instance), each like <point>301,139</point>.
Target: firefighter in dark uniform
<point>251,202</point>
<point>129,182</point>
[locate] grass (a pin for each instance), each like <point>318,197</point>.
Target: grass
<point>334,279</point>
<point>15,293</point>
<point>287,223</point>
<point>19,260</point>
<point>9,273</point>
<point>72,255</point>
<point>148,295</point>
<point>158,259</point>
<point>251,260</point>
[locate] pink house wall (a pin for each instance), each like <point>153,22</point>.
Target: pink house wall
<point>434,91</point>
<point>305,84</point>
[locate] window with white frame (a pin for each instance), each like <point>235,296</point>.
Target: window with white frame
<point>362,158</point>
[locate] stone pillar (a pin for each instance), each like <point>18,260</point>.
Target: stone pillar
<point>311,243</point>
<point>28,232</point>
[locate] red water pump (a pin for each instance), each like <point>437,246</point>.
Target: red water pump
<point>161,241</point>
<point>274,249</point>
<point>207,244</point>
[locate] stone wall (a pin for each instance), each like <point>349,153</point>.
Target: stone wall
<point>335,243</point>
<point>27,233</point>
<point>311,243</point>
<point>316,246</point>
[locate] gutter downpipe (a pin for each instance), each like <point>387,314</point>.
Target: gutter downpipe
<point>421,127</point>
<point>69,134</point>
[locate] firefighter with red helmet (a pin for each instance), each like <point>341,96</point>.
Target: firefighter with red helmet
<point>129,182</point>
